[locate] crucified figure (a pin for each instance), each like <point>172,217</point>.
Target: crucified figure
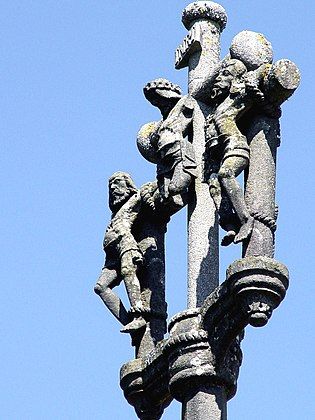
<point>123,255</point>
<point>134,248</point>
<point>228,149</point>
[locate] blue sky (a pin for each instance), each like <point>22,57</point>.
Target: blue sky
<point>72,74</point>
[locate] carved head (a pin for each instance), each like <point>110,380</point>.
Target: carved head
<point>231,78</point>
<point>163,94</point>
<point>121,188</point>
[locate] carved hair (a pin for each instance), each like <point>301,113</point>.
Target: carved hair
<point>131,189</point>
<point>127,178</point>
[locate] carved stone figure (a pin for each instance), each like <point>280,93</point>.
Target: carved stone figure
<point>164,95</point>
<point>123,254</point>
<point>227,146</point>
<point>165,142</point>
<point>234,92</point>
<point>240,96</point>
<point>134,248</point>
<point>226,125</point>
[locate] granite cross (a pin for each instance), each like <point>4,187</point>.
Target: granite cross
<point>227,124</point>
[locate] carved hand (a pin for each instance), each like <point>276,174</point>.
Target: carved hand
<point>132,257</point>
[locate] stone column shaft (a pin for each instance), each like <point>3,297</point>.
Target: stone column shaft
<point>203,247</point>
<point>263,135</point>
<point>207,404</point>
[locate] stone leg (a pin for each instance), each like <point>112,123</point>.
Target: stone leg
<point>132,283</point>
<point>227,218</point>
<point>106,282</point>
<point>163,184</point>
<point>229,170</point>
<point>180,180</point>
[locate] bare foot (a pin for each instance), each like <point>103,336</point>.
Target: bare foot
<point>244,231</point>
<point>228,238</point>
<point>134,325</point>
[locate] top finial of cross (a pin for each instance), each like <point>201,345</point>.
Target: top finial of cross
<point>207,10</point>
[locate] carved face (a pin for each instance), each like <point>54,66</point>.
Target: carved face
<point>223,82</point>
<point>119,192</point>
<point>231,72</point>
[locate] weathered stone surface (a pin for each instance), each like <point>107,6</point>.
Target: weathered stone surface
<point>203,247</point>
<point>205,402</point>
<point>227,124</point>
<point>165,143</point>
<point>227,147</point>
<point>261,283</point>
<point>199,363</point>
<point>281,81</point>
<point>252,48</point>
<point>145,385</point>
<point>206,10</point>
<point>208,20</point>
<point>230,151</point>
<point>134,247</point>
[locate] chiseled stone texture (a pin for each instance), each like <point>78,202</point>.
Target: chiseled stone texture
<point>203,257</point>
<point>252,48</point>
<point>203,247</point>
<point>207,10</point>
<point>227,124</point>
<point>208,403</point>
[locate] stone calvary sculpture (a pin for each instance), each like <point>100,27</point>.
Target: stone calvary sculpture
<point>227,124</point>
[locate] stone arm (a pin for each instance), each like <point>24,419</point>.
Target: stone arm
<point>161,207</point>
<point>266,87</point>
<point>271,85</point>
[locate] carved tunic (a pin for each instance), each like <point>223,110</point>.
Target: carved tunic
<point>118,237</point>
<point>223,137</point>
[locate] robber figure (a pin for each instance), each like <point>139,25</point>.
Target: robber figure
<point>233,93</point>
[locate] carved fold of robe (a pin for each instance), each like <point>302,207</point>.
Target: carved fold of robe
<point>173,148</point>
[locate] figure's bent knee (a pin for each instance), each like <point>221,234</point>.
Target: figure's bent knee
<point>102,289</point>
<point>226,173</point>
<point>128,271</point>
<point>98,288</point>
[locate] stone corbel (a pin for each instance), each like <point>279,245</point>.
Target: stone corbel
<point>203,348</point>
<point>144,382</point>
